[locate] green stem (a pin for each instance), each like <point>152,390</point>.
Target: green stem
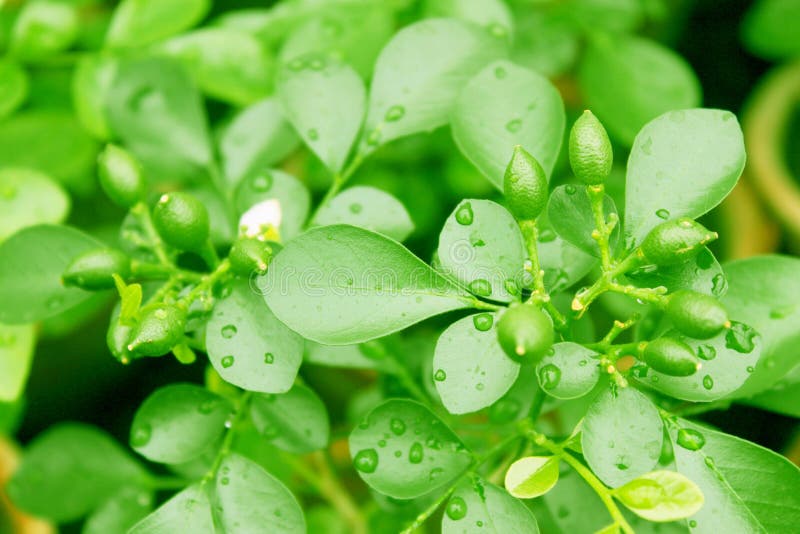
<point>606,282</point>
<point>207,282</point>
<point>531,235</point>
<point>430,510</point>
<point>597,197</point>
<point>339,180</point>
<point>536,406</point>
<point>142,212</point>
<point>230,433</point>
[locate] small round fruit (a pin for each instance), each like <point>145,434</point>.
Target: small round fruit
<point>160,328</point>
<point>93,270</point>
<point>525,333</point>
<point>695,314</point>
<point>121,177</point>
<point>590,153</point>
<point>676,241</point>
<point>671,357</point>
<point>525,185</point>
<point>249,255</point>
<point>182,221</point>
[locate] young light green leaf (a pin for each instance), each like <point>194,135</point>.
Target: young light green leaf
<point>252,500</point>
<point>16,352</point>
<point>91,82</point>
<point>188,511</point>
<point>532,476</point>
<point>661,496</point>
<point>621,435</point>
<point>492,14</point>
<point>367,207</point>
<point>248,346</point>
<point>738,480</point>
<point>292,196</point>
<point>571,371</point>
<point>177,423</point>
<point>728,359</point>
<point>478,505</point>
<point>570,213</point>
<point>502,106</point>
<point>257,137</point>
<point>419,73</point>
<point>295,421</point>
<point>627,81</point>
<point>31,264</point>
<point>43,28</point>
<point>702,274</point>
<point>228,65</point>
<point>120,512</point>
<point>763,292</point>
<point>71,469</point>
<point>141,22</point>
<point>769,29</point>
<point>156,110</point>
<point>699,152</point>
<point>324,99</point>
<point>403,450</point>
<point>470,369</point>
<point>13,86</point>
<point>482,247</point>
<point>29,198</point>
<point>341,284</point>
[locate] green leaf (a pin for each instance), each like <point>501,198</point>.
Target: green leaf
<point>258,137</point>
<point>228,65</point>
<point>252,500</point>
<point>482,247</point>
<point>471,371</point>
<point>248,346</point>
<point>156,110</point>
<point>386,287</point>
<point>187,511</point>
<point>478,505</point>
<point>506,105</point>
<point>740,482</point>
<point>91,82</point>
<point>50,141</point>
<point>13,86</point>
<point>702,274</point>
<point>325,101</point>
<point>177,423</point>
<point>545,40</point>
<point>419,74</point>
<point>31,263</point>
<point>141,22</point>
<point>532,476</point>
<point>27,198</point>
<point>564,264</point>
<point>570,213</point>
<point>517,401</point>
<point>120,512</point>
<point>43,28</point>
<point>621,16</point>
<point>295,421</point>
<point>628,81</point>
<point>493,14</point>
<point>403,450</point>
<point>69,470</point>
<point>783,397</point>
<point>367,207</point>
<point>16,352</point>
<point>699,152</point>
<point>661,496</point>
<point>347,356</point>
<point>769,29</point>
<point>290,192</point>
<point>764,292</point>
<point>621,435</point>
<point>728,359</point>
<point>571,371</point>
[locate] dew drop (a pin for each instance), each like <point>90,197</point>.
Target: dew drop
<point>719,284</point>
<point>464,214</point>
<point>381,443</point>
<point>206,407</point>
<point>479,386</point>
<point>500,73</point>
<point>269,358</point>
<point>261,183</point>
<point>440,375</point>
<point>398,426</point>
<point>691,439</point>
<point>415,454</point>
<point>313,134</point>
<point>225,481</point>
<point>647,146</point>
<point>435,473</point>
<point>374,138</point>
<point>366,460</point>
<point>227,361</point>
<point>740,338</point>
<point>706,352</point>
<point>480,287</point>
<point>456,508</point>
<point>662,214</point>
<point>547,235</point>
<point>692,523</point>
<point>398,454</point>
<point>228,331</point>
<point>483,321</point>
<point>709,461</point>
<point>781,312</point>
<point>570,189</point>
<point>512,287</point>
<point>549,376</point>
<point>140,435</point>
<point>394,113</point>
<point>708,382</point>
<point>622,463</point>
<point>750,369</point>
<point>514,125</point>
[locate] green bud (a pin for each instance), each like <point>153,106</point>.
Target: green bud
<point>160,328</point>
<point>676,241</point>
<point>249,255</point>
<point>671,357</point>
<point>93,270</point>
<point>117,338</point>
<point>590,153</point>
<point>182,221</point>
<point>696,315</point>
<point>525,333</point>
<point>525,185</point>
<point>120,176</point>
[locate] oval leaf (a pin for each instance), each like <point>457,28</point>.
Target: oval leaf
<point>477,505</point>
<point>16,352</point>
<point>141,22</point>
<point>14,86</point>
<point>570,213</point>
<point>661,496</point>
<point>370,208</point>
<point>341,284</point>
<point>295,421</point>
<point>532,476</point>
<point>188,511</point>
<point>120,512</point>
<point>29,198</point>
<point>571,371</point>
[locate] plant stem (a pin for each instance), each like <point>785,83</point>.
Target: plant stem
<point>230,433</point>
<point>339,179</point>
<point>531,236</point>
<point>142,212</point>
<point>207,282</point>
<point>603,229</point>
<point>430,510</point>
<point>606,282</point>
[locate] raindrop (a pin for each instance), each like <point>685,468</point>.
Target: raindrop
<point>750,369</point>
<point>366,460</point>
<point>549,376</point>
<point>206,407</point>
<point>692,523</point>
<point>269,358</point>
<point>514,125</point>
<point>225,481</point>
<point>317,64</point>
<point>709,461</point>
<point>381,443</point>
<point>740,338</point>
<point>456,508</point>
<point>622,463</point>
<point>395,113</point>
<point>227,361</point>
<point>416,453</point>
<point>647,146</point>
<point>512,287</point>
<point>719,284</point>
<point>398,454</point>
<point>479,386</point>
<point>708,382</point>
<point>691,439</point>
<point>498,30</point>
<point>374,138</point>
<point>662,214</point>
<point>140,436</point>
<point>313,134</point>
<point>440,375</point>
<point>706,352</point>
<point>547,235</point>
<point>500,73</point>
<point>570,189</point>
<point>483,321</point>
<point>355,208</point>
<point>480,287</point>
<point>781,313</point>
<point>398,426</point>
<point>435,473</point>
<point>228,331</point>
<point>262,182</point>
<point>464,215</point>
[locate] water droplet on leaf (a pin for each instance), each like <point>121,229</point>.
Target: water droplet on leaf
<point>549,376</point>
<point>706,352</point>
<point>456,508</point>
<point>464,214</point>
<point>662,214</point>
<point>483,321</point>
<point>740,338</point>
<point>415,454</point>
<point>228,331</point>
<point>227,361</point>
<point>691,439</point>
<point>440,375</point>
<point>514,125</point>
<point>480,287</point>
<point>366,460</point>
<point>395,113</point>
<point>708,382</point>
